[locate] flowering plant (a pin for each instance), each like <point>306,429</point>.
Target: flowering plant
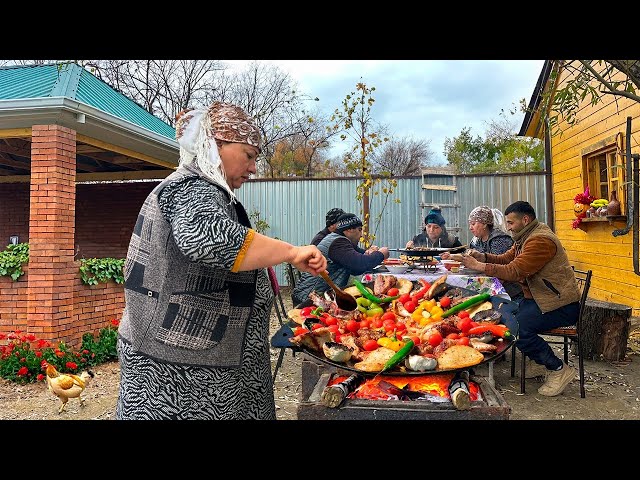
<point>24,357</point>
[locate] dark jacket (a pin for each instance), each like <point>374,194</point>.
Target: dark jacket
<point>343,260</point>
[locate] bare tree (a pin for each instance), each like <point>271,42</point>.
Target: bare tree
<point>271,97</point>
<point>403,156</point>
<point>162,87</point>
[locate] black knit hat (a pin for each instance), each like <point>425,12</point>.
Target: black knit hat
<point>333,215</point>
<point>347,221</point>
<point>435,216</point>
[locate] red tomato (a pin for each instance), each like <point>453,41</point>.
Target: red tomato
<point>389,322</point>
<point>464,324</point>
<point>306,311</point>
<point>300,331</point>
<point>404,298</point>
<point>334,328</point>
<point>370,345</point>
<point>445,302</point>
<point>435,339</point>
<point>463,341</point>
<point>365,323</point>
<point>415,338</point>
<point>393,292</point>
<point>316,326</point>
<point>377,322</point>
<point>401,327</point>
<point>410,306</point>
<point>463,314</point>
<point>338,337</point>
<point>353,326</point>
<point>453,336</point>
<point>330,320</point>
<point>389,316</point>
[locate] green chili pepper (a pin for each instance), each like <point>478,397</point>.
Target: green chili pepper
<point>370,296</point>
<point>483,297</point>
<point>399,356</point>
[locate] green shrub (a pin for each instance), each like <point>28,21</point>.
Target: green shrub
<point>12,259</point>
<point>23,359</point>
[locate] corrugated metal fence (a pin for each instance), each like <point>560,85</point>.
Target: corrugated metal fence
<point>295,209</point>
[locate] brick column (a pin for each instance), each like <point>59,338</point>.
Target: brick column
<point>51,232</point>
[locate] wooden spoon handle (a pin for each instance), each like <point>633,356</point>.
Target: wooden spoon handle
<point>324,274</point>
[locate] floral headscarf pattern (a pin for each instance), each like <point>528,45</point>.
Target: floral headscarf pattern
<point>198,129</point>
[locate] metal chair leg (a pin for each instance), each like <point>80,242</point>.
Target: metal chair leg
<point>278,364</point>
<point>581,368</point>
<point>566,350</point>
<point>523,366</point>
<point>513,361</point>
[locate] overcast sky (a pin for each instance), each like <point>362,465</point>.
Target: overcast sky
<point>423,99</point>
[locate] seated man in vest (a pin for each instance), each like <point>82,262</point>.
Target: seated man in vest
<point>538,261</point>
<point>344,258</point>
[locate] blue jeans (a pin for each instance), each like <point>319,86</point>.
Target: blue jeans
<point>529,321</point>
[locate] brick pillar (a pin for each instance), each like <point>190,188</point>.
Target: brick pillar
<point>51,232</point>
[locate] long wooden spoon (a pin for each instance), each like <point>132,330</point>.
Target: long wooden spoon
<point>344,300</point>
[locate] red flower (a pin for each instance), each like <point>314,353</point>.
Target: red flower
<point>38,354</point>
<point>43,364</point>
<point>2,336</point>
<point>41,343</point>
<point>22,360</point>
<point>85,351</point>
<point>31,337</point>
<point>23,371</point>
<point>40,377</point>
<point>71,365</point>
<point>59,354</point>
<point>115,322</point>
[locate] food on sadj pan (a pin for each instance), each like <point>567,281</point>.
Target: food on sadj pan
<point>401,326</point>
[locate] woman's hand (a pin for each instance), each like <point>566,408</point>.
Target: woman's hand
<point>309,259</point>
<point>445,256</point>
<point>409,244</point>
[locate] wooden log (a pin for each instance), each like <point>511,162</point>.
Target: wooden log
<point>605,330</point>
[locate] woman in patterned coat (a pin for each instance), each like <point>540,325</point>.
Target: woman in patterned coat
<point>194,337</point>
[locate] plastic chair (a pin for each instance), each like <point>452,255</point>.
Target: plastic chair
<point>565,333</point>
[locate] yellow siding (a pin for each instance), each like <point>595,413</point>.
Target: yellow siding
<point>610,258</point>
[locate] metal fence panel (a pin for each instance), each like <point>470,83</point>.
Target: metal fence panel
<point>295,209</point>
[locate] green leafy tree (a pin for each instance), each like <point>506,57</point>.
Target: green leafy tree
<point>356,124</point>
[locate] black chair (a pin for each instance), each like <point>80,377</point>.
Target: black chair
<point>566,334</point>
<point>293,274</point>
<point>281,312</point>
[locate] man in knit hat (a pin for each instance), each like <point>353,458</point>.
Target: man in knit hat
<point>435,234</point>
<point>331,222</point>
<point>344,258</point>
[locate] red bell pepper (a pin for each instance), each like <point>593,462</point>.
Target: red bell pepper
<point>499,330</point>
<point>422,292</point>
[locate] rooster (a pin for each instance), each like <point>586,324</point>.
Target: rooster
<point>66,385</point>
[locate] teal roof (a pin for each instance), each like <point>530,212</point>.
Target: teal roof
<point>74,82</point>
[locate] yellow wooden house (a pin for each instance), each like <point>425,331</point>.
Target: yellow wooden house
<point>598,151</point>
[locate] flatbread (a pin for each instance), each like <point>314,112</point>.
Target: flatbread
<point>294,314</point>
<point>375,360</point>
<point>459,356</point>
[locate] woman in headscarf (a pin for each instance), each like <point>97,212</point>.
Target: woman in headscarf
<point>486,237</point>
<point>193,340</point>
<point>435,234</point>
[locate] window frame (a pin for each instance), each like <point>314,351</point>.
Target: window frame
<point>603,167</point>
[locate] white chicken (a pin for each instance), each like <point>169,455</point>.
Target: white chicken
<point>66,385</point>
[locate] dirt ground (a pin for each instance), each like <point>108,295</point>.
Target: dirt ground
<point>612,391</point>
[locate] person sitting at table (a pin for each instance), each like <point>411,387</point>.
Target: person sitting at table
<point>331,220</point>
<point>551,297</point>
<point>435,234</point>
<point>488,239</point>
<point>344,258</point>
